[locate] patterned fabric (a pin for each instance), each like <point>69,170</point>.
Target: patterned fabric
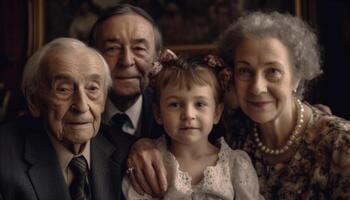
<point>79,189</point>
<point>320,168</point>
<point>233,177</point>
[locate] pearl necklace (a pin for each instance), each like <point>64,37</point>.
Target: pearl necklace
<point>291,139</point>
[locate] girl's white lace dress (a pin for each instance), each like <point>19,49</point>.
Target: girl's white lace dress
<point>233,177</point>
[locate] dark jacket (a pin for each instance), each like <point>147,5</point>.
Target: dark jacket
<point>29,168</point>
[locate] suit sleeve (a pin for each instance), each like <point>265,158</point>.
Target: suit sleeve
<point>121,141</point>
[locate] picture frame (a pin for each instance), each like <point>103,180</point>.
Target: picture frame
<point>50,19</point>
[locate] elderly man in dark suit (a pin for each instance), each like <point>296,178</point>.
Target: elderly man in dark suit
<point>58,153</point>
<point>130,41</point>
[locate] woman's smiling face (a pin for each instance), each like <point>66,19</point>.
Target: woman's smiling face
<point>264,78</point>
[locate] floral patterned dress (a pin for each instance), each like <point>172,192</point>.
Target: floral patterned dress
<point>319,169</point>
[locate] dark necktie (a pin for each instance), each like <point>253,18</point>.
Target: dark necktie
<point>118,120</point>
<point>79,188</point>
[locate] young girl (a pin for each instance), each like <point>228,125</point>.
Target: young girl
<point>188,102</point>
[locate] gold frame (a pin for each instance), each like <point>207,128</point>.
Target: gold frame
<point>297,7</point>
<point>36,25</point>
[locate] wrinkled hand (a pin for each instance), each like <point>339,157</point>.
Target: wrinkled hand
<point>149,174</point>
<point>167,55</point>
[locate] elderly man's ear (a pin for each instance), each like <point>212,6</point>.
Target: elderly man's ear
<point>33,105</point>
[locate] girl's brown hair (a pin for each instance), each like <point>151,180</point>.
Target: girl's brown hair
<point>186,72</point>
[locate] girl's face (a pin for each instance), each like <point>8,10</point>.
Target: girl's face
<point>188,115</point>
<point>264,79</point>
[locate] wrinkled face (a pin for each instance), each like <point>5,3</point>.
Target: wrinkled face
<point>73,95</point>
<point>264,79</point>
<point>127,42</point>
<point>188,115</point>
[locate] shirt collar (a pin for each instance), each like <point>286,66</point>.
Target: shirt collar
<point>65,156</point>
<point>134,112</point>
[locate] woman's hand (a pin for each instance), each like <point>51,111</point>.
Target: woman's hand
<point>149,174</point>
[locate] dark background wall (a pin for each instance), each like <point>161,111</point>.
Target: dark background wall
<point>13,43</point>
<point>330,19</point>
<point>334,34</point>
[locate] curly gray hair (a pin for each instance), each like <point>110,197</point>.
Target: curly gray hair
<point>293,32</point>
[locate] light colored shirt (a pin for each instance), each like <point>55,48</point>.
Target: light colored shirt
<point>65,156</point>
<point>233,177</point>
<point>134,114</point>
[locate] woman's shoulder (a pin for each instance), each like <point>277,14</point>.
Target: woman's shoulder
<point>328,131</point>
<point>331,134</point>
<point>328,125</point>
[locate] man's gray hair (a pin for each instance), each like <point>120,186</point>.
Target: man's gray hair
<point>123,9</point>
<point>33,68</point>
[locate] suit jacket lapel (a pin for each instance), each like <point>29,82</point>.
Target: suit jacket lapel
<point>105,171</point>
<point>44,172</point>
<point>146,113</point>
<point>149,127</point>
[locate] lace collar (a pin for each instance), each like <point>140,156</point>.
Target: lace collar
<point>216,179</point>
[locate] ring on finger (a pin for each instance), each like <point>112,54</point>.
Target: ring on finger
<point>130,170</point>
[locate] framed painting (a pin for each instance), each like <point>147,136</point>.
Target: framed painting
<point>187,26</point>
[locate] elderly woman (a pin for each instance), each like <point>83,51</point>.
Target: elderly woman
<point>298,152</point>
